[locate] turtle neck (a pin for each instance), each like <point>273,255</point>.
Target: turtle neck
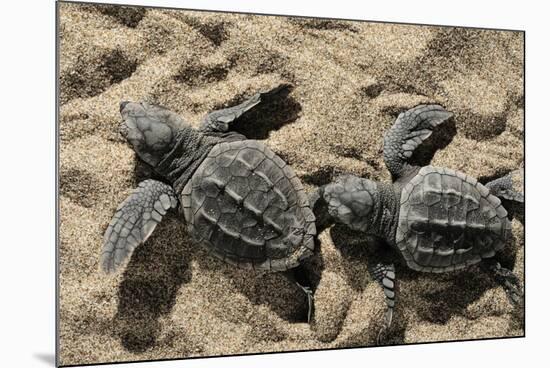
<point>191,148</point>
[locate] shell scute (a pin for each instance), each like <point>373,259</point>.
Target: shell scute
<point>248,207</point>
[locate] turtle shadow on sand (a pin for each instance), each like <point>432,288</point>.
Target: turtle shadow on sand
<point>435,306</point>
<point>279,110</point>
<point>275,290</point>
<point>465,287</point>
<point>360,250</point>
<point>441,137</point>
<point>161,266</point>
<point>151,280</point>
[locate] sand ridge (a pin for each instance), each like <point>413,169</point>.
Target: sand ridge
<point>351,79</point>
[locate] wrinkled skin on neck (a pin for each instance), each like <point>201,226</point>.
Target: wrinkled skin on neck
<point>387,209</point>
<point>166,143</point>
<point>380,219</point>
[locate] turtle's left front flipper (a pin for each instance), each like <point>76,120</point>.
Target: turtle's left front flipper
<point>219,120</point>
<point>509,187</point>
<point>134,221</point>
<point>410,129</point>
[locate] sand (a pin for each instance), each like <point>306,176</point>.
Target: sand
<point>350,79</point>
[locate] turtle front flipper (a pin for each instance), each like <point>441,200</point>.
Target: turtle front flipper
<point>134,221</point>
<point>411,128</point>
<point>385,275</point>
<point>219,120</point>
<point>509,187</point>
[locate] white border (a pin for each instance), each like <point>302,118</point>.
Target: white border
<point>27,185</point>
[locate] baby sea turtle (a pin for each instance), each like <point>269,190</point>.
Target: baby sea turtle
<point>437,219</point>
<point>238,198</point>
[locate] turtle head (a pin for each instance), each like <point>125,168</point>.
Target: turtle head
<point>150,129</point>
<point>351,201</point>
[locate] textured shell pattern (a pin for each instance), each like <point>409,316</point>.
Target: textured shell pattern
<point>248,208</point>
<point>448,220</point>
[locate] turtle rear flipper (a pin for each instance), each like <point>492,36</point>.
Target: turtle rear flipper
<point>506,278</point>
<point>219,120</point>
<point>509,187</point>
<point>298,276</point>
<point>410,129</point>
<point>134,221</point>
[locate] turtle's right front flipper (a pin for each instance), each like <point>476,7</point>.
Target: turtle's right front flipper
<point>219,120</point>
<point>134,221</point>
<point>410,129</point>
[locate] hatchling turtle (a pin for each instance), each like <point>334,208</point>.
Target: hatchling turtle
<point>237,197</point>
<point>437,219</point>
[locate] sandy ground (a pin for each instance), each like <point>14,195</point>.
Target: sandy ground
<point>351,80</point>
